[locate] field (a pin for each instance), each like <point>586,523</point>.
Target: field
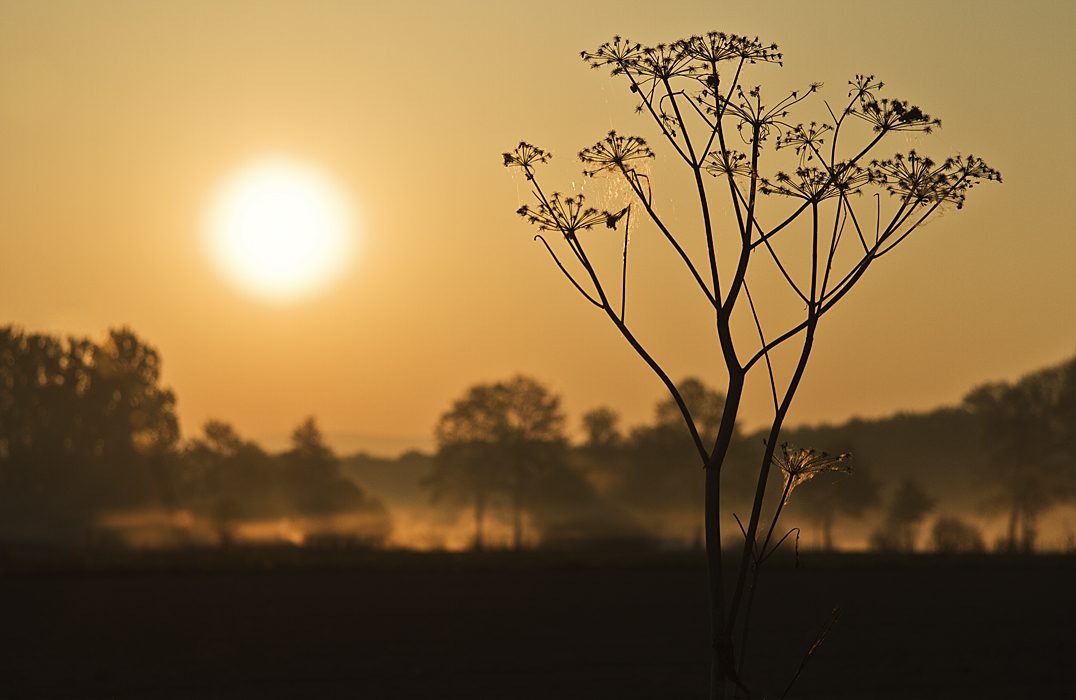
<point>296,624</point>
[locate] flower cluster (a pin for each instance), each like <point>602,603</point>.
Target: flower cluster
<point>799,465</point>
<point>895,115</point>
<point>666,61</point>
<point>696,57</point>
<point>886,115</point>
<point>566,215</point>
<point>816,184</point>
<point>715,47</point>
<point>728,162</point>
<point>920,181</point>
<point>525,156</point>
<point>614,153</point>
<point>805,140</point>
<point>618,53</point>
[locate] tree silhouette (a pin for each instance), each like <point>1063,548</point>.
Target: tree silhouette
<point>907,509</point>
<point>493,441</point>
<point>601,428</point>
<point>313,476</point>
<point>659,473</point>
<point>84,427</point>
<point>230,479</point>
<point>604,450</point>
<point>1028,428</point>
<point>951,535</point>
<point>693,91</point>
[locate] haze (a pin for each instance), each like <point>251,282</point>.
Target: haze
<point>118,121</point>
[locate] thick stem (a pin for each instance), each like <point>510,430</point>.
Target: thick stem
<point>721,642</point>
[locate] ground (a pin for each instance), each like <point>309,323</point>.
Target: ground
<point>450,626</point>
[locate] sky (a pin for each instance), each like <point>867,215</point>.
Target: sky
<point>120,122</point>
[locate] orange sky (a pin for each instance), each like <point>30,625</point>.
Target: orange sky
<point>119,119</point>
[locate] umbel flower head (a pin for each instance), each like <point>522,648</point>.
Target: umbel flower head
<point>800,465</point>
<point>921,182</point>
<point>614,153</point>
<point>815,184</point>
<point>525,156</point>
<point>715,47</point>
<point>728,162</point>
<point>887,115</point>
<point>566,215</point>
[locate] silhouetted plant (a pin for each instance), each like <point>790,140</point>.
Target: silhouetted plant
<point>692,90</point>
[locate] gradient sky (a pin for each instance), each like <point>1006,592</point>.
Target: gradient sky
<point>118,120</point>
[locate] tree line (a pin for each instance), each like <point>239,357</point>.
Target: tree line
<point>87,430</point>
<point>1007,450</point>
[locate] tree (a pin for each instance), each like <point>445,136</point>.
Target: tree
<point>229,479</point>
<point>314,479</point>
<point>494,440</point>
<point>603,451</point>
<point>601,428</point>
<point>693,91</point>
<point>84,427</point>
<point>658,474</point>
<point>951,535</point>
<point>907,510</point>
<point>1028,428</point>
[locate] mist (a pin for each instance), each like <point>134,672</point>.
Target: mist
<point>91,457</point>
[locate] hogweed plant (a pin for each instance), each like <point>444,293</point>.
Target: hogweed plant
<point>852,205</point>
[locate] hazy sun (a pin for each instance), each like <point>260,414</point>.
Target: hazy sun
<point>280,228</point>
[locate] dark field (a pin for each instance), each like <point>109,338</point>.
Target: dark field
<point>532,626</point>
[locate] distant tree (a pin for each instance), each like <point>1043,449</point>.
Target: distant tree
<point>907,509</point>
<point>136,413</point>
<point>314,478</point>
<point>601,428</point>
<point>1028,428</point>
<point>603,451</point>
<point>229,479</point>
<point>83,427</point>
<point>951,535</point>
<point>659,472</point>
<point>493,441</point>
<point>693,91</point>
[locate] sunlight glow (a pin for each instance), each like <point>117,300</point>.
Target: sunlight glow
<point>281,229</point>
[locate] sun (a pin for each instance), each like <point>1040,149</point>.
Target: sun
<point>281,229</point>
